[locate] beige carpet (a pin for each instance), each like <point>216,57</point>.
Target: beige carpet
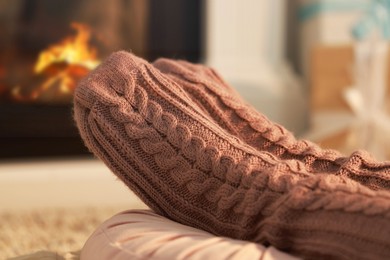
<point>50,233</point>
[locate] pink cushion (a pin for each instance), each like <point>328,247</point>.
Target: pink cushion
<point>142,234</point>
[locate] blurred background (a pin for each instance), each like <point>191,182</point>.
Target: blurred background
<point>318,67</point>
<point>295,61</point>
<point>47,46</point>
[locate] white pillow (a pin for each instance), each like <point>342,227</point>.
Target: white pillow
<point>143,234</point>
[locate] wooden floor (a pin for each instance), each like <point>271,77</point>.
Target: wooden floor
<point>64,182</point>
<point>49,208</point>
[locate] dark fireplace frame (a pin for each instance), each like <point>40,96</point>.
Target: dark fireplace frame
<point>174,30</point>
<point>31,130</point>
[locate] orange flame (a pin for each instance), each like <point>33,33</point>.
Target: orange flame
<point>62,65</point>
<point>73,50</point>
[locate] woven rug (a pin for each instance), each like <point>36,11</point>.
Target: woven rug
<point>50,233</point>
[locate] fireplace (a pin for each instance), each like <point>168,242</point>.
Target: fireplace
<point>48,46</point>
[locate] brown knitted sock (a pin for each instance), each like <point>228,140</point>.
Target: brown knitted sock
<point>192,171</point>
<point>224,106</point>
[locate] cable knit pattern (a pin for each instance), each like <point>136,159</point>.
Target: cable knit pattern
<point>149,132</point>
<point>225,107</point>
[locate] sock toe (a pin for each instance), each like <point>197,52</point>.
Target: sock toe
<point>196,73</point>
<point>118,71</point>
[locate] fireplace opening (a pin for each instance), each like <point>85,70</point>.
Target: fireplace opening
<point>48,46</point>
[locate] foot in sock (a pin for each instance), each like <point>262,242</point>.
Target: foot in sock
<point>225,107</point>
<point>189,169</point>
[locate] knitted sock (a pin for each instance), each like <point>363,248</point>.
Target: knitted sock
<point>224,106</point>
<point>192,171</point>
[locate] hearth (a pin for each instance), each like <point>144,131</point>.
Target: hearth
<point>48,46</point>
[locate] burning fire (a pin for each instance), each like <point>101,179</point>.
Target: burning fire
<point>61,65</point>
<point>73,50</point>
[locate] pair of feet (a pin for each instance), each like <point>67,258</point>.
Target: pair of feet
<point>191,149</point>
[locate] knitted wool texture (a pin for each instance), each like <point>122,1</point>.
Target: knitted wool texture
<point>152,135</point>
<point>225,107</point>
